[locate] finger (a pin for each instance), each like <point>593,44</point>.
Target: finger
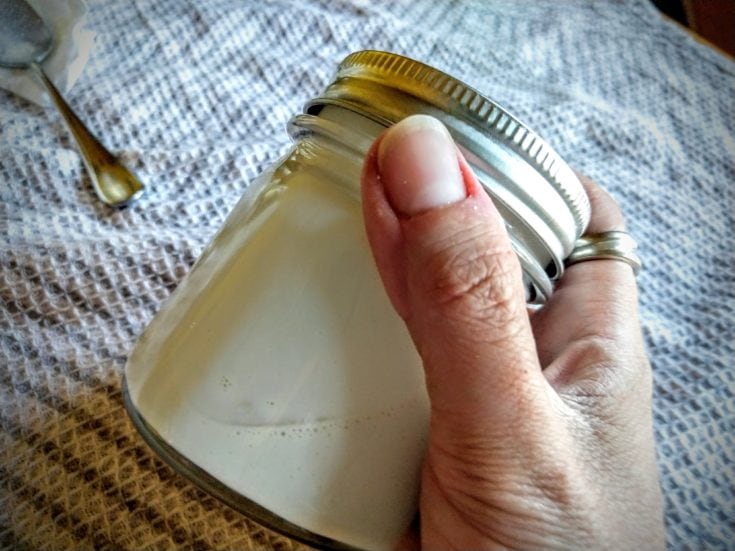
<point>447,264</point>
<point>593,311</point>
<point>606,214</point>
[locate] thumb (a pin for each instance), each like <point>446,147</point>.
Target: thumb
<point>447,264</point>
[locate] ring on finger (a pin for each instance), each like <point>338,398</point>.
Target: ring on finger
<point>609,245</point>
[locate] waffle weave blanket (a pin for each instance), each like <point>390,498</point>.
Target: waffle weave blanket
<point>196,96</point>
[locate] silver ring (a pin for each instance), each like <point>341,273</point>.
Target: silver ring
<point>609,245</point>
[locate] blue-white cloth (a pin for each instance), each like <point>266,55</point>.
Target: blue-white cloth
<point>196,95</point>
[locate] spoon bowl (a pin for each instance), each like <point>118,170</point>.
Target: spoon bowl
<point>25,41</point>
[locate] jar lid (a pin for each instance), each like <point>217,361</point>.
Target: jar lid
<point>542,201</point>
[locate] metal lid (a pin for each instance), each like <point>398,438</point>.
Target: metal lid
<point>542,201</point>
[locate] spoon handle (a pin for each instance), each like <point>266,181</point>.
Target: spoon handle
<point>114,184</point>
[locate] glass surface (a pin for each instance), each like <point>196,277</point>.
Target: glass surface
<point>280,369</point>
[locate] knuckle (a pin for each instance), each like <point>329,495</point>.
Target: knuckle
<point>613,371</point>
<point>476,281</point>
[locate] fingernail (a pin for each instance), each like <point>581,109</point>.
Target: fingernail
<point>418,165</point>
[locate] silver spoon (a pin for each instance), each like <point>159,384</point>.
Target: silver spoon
<point>25,41</point>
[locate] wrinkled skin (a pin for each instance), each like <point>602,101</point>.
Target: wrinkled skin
<point>541,427</point>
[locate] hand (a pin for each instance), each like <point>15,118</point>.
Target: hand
<point>541,430</point>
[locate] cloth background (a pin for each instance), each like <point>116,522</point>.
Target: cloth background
<point>196,95</point>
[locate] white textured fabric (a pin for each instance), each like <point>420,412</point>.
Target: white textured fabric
<point>196,97</point>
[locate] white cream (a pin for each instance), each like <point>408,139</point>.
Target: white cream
<point>281,369</point>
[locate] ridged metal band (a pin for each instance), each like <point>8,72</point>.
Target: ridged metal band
<point>611,245</point>
<point>456,97</point>
<point>540,198</point>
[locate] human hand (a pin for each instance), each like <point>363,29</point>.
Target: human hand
<point>541,430</point>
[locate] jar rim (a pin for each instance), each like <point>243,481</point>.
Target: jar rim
<point>545,202</point>
<point>361,73</point>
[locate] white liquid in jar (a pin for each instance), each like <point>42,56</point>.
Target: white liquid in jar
<point>280,368</point>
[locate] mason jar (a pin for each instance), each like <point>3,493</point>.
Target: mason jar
<point>277,376</point>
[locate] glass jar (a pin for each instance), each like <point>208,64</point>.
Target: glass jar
<point>277,376</point>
